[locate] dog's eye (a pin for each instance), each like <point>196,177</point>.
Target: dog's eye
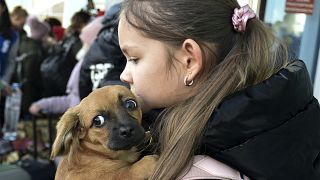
<point>98,121</point>
<point>130,104</point>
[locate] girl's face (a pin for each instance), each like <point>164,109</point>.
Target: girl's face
<point>154,83</point>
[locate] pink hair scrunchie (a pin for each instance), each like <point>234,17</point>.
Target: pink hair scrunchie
<point>241,16</point>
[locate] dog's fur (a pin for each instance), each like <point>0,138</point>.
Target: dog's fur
<point>91,152</point>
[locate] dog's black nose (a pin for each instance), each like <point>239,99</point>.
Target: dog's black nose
<point>125,135</point>
<point>126,131</point>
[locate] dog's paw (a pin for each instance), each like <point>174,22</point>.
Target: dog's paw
<point>144,168</point>
<point>150,161</point>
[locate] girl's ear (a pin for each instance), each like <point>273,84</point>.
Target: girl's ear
<point>65,131</point>
<point>191,58</point>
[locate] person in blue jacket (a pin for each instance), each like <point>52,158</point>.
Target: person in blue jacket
<point>8,51</point>
<point>8,46</point>
<point>227,88</point>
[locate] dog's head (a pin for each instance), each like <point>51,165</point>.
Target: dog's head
<point>107,120</point>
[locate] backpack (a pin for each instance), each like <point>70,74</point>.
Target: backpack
<point>57,67</point>
<point>104,61</point>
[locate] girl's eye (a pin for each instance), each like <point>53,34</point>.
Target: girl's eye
<point>130,105</point>
<point>98,121</point>
<point>133,60</point>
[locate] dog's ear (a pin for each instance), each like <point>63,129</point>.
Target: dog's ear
<point>66,128</point>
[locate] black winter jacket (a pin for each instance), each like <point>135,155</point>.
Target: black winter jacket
<point>104,61</point>
<point>270,130</point>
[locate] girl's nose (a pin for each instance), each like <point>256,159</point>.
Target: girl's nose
<point>125,76</point>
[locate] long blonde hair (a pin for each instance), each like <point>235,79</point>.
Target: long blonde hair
<point>231,62</point>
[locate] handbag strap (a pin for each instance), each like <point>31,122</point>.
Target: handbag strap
<point>205,167</point>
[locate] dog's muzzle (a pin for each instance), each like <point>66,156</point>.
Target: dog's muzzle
<point>126,136</point>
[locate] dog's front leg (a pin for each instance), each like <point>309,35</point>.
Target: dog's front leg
<point>144,168</point>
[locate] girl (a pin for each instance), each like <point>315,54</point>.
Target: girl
<point>226,86</point>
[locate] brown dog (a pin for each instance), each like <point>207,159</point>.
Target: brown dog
<point>97,138</point>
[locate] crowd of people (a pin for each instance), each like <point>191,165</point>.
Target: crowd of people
<point>211,81</point>
<point>54,67</point>
<point>46,59</point>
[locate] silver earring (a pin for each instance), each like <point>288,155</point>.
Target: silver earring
<point>186,83</point>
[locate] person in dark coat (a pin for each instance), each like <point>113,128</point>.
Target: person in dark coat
<point>227,89</point>
<point>30,55</point>
<point>57,67</point>
<point>59,104</point>
<point>104,61</point>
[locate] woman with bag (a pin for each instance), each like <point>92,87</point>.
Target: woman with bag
<point>57,67</point>
<point>59,104</point>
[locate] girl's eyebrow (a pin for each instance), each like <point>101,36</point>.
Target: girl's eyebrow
<point>125,48</point>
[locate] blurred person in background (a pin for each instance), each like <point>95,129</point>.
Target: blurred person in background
<point>104,61</point>
<point>8,50</point>
<point>78,21</point>
<point>57,67</point>
<point>56,29</point>
<point>56,33</point>
<point>18,18</point>
<point>31,52</point>
<point>59,104</point>
<point>38,29</point>
<point>8,44</point>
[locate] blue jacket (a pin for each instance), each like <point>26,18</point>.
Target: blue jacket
<point>5,50</point>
